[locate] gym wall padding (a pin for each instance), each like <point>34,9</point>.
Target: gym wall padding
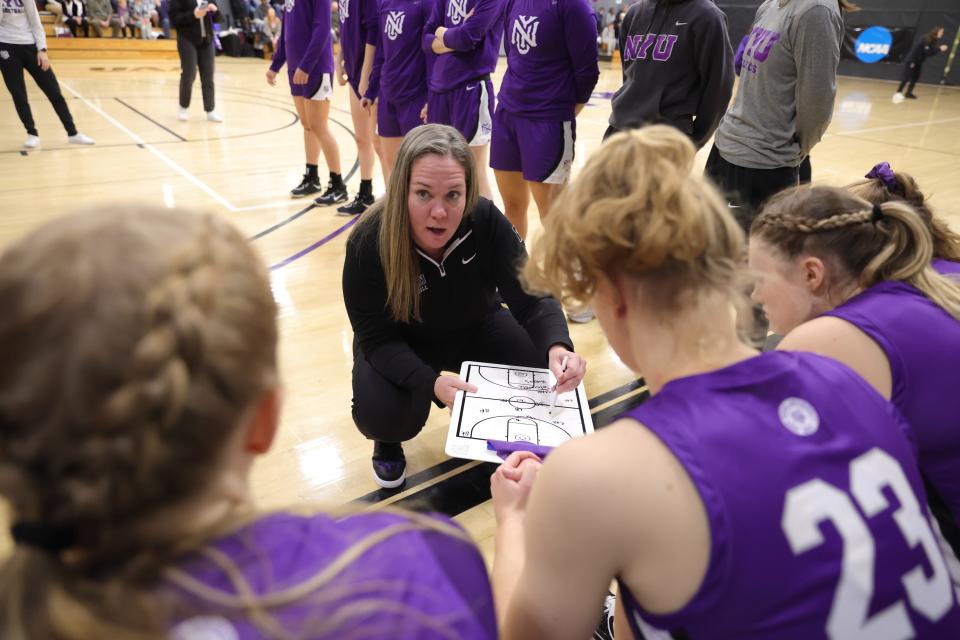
<point>920,16</point>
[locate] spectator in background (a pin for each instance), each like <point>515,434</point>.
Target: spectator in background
<point>927,48</point>
<point>123,17</point>
<point>101,15</point>
<point>74,18</point>
<point>140,19</point>
<point>52,6</point>
<point>270,31</point>
<point>617,23</point>
<point>601,20</point>
<point>163,12</point>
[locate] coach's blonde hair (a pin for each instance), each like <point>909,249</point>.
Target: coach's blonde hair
<point>946,242</point>
<point>867,247</point>
<point>398,255</point>
<point>134,343</point>
<point>636,209</point>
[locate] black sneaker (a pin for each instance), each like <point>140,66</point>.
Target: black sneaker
<point>358,206</point>
<point>389,464</point>
<point>605,626</point>
<point>308,186</point>
<point>332,195</point>
<point>911,96</point>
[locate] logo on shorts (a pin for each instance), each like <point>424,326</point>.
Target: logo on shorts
<point>5,54</point>
<point>394,24</point>
<point>799,416</point>
<point>457,11</point>
<point>524,35</point>
<point>344,10</point>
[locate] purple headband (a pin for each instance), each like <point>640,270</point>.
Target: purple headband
<point>884,173</point>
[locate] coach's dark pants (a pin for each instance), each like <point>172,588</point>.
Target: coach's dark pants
<point>14,59</point>
<point>747,189</point>
<point>193,56</point>
<point>386,412</point>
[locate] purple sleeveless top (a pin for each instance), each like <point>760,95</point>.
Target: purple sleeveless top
<point>802,467</point>
<point>415,584</point>
<point>922,344</point>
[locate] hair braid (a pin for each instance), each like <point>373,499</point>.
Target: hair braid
<point>165,333</point>
<point>831,223</point>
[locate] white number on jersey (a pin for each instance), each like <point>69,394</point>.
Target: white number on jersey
<point>815,501</point>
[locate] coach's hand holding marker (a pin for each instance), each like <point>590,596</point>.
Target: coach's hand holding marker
<point>568,368</point>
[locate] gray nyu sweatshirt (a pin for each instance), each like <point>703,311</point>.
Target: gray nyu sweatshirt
<point>788,82</point>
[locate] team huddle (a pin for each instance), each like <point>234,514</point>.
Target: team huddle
<point>809,491</point>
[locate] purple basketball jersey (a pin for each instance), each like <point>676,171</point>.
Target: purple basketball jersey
<point>551,58</point>
<point>818,523</point>
<point>305,41</point>
<point>400,67</point>
<point>474,32</point>
<point>358,28</point>
<point>411,583</point>
<point>922,344</point>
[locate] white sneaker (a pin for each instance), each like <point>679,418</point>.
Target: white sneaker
<point>183,114</point>
<point>32,142</point>
<point>581,317</point>
<point>80,139</point>
<point>213,116</point>
<point>898,98</point>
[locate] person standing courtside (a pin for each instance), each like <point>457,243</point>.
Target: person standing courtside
<point>305,47</point>
<point>551,72</point>
<point>193,20</point>
<point>23,46</point>
<point>677,68</point>
<point>358,42</point>
<point>466,35</point>
<point>928,47</point>
<point>788,84</point>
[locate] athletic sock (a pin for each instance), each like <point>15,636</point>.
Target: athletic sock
<point>366,187</point>
<point>336,179</point>
<point>312,172</point>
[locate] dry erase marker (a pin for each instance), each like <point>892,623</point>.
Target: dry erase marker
<point>563,367</point>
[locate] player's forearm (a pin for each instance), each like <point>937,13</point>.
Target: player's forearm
<point>508,562</point>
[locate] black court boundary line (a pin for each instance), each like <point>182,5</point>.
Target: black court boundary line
<point>146,117</point>
<point>450,464</point>
<point>466,490</point>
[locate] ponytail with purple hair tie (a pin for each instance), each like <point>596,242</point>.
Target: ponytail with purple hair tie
<point>884,174</point>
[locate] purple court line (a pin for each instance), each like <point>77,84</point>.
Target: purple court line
<point>316,245</point>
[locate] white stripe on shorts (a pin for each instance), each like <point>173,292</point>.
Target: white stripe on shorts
<point>325,92</point>
<point>561,173</point>
<point>484,119</point>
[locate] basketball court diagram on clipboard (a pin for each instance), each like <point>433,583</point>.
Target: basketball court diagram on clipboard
<point>513,404</point>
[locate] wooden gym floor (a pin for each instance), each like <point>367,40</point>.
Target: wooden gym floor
<point>243,168</point>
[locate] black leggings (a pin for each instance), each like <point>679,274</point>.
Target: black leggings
<point>14,58</point>
<point>386,412</point>
<point>911,74</point>
<point>193,56</point>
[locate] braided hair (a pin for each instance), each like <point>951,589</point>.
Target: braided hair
<point>866,243</point>
<point>134,340</point>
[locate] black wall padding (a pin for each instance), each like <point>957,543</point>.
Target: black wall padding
<point>919,15</point>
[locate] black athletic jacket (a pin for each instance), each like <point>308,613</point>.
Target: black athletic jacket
<point>921,51</point>
<point>187,24</point>
<point>677,67</point>
<point>478,273</point>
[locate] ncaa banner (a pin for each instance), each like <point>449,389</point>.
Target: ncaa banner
<point>870,45</point>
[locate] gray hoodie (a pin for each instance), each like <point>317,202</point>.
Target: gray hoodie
<point>788,83</point>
